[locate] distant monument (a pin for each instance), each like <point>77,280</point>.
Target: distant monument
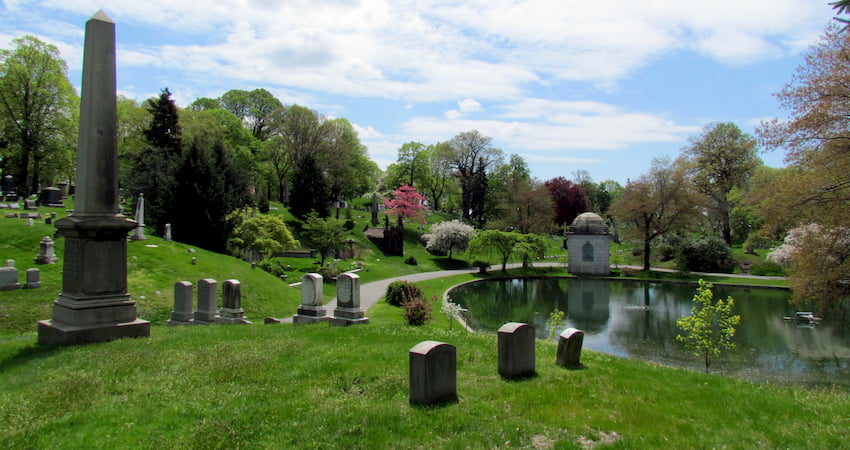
<point>138,233</point>
<point>94,305</point>
<point>588,242</point>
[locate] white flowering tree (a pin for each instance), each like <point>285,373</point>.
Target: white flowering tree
<point>818,261</point>
<point>449,236</point>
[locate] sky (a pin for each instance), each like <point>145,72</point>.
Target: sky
<point>602,86</point>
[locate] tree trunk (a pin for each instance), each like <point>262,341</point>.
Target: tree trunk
<point>646,250</point>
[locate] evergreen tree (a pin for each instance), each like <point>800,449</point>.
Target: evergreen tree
<point>309,190</point>
<point>164,131</point>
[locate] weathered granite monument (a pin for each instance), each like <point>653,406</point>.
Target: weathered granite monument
<point>138,233</point>
<point>516,350</point>
<point>348,311</point>
<point>569,349</point>
<point>231,312</point>
<point>182,312</point>
<point>433,373</point>
<point>311,309</point>
<point>94,305</point>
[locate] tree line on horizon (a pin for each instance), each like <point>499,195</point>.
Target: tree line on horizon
<point>198,165</point>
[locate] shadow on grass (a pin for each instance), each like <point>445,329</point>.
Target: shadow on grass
<point>27,354</point>
<point>450,264</point>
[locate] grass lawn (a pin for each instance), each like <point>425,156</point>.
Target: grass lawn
<point>282,386</point>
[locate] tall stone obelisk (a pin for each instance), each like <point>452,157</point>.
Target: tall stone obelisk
<point>94,305</point>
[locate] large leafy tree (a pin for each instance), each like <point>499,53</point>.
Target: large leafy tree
<point>262,235</point>
<point>719,160</point>
<point>524,205</point>
<point>446,237</point>
<point>655,204</point>
<point>254,108</point>
<point>436,185</point>
<point>500,243</point>
<point>406,203</point>
<point>473,155</point>
<point>411,167</point>
<point>815,188</point>
<point>327,235</point>
<point>38,108</point>
<point>569,199</point>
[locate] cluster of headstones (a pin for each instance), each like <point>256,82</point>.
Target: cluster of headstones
<point>207,311</point>
<point>433,365</point>
<point>9,277</point>
<point>347,311</point>
<point>31,217</point>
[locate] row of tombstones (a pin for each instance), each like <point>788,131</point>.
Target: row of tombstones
<point>347,312</point>
<point>433,365</point>
<point>9,277</point>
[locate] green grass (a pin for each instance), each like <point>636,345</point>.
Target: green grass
<point>288,386</point>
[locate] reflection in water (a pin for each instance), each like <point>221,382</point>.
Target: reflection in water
<point>638,320</point>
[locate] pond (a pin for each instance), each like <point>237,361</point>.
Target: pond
<point>638,320</point>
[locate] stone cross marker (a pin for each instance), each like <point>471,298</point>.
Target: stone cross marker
<point>433,373</point>
<point>347,311</point>
<point>207,301</point>
<point>94,305</point>
<point>182,313</point>
<point>516,350</point>
<point>311,309</point>
<point>569,349</point>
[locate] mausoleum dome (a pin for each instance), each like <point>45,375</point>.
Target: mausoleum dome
<point>589,223</point>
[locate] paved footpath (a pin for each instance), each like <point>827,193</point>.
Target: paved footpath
<point>370,293</point>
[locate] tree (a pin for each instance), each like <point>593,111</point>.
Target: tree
<point>472,156</point>
<point>406,204</point>
<point>710,326</point>
<point>842,7</point>
<point>815,187</point>
<point>818,260</point>
<point>449,236</point>
<point>530,247</point>
<point>164,131</point>
<point>655,204</point>
<point>569,200</point>
<point>524,205</point>
<point>263,235</point>
<point>722,158</point>
<point>38,107</point>
<point>411,165</point>
<point>326,235</point>
<point>439,172</point>
<point>501,243</point>
<point>309,190</point>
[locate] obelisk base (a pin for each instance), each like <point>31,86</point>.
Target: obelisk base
<point>58,333</point>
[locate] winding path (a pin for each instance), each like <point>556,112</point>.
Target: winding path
<point>371,292</point>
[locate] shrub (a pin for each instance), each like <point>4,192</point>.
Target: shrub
<point>349,222</point>
<point>417,311</point>
<point>481,265</point>
<point>399,292</point>
<point>704,253</point>
<point>274,266</point>
<point>329,272</point>
<point>767,268</point>
<point>411,261</point>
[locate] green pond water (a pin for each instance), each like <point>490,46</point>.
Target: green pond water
<point>638,320</point>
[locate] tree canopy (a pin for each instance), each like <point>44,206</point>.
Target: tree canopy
<point>38,113</point>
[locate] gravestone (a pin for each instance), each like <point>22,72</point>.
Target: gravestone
<point>94,305</point>
<point>33,279</point>
<point>51,197</point>
<point>207,302</point>
<point>138,233</point>
<point>348,311</point>
<point>433,373</point>
<point>9,279</point>
<point>516,350</point>
<point>30,221</point>
<point>10,263</point>
<point>311,309</point>
<point>14,205</point>
<point>8,186</point>
<point>231,311</point>
<point>30,205</point>
<point>46,253</point>
<point>182,313</point>
<point>167,234</point>
<point>569,349</point>
<point>63,189</point>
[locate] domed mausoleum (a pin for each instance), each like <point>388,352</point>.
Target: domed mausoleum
<point>588,243</point>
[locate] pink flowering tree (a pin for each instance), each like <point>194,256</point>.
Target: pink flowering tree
<point>406,203</point>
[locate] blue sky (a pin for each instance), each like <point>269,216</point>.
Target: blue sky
<point>602,86</point>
